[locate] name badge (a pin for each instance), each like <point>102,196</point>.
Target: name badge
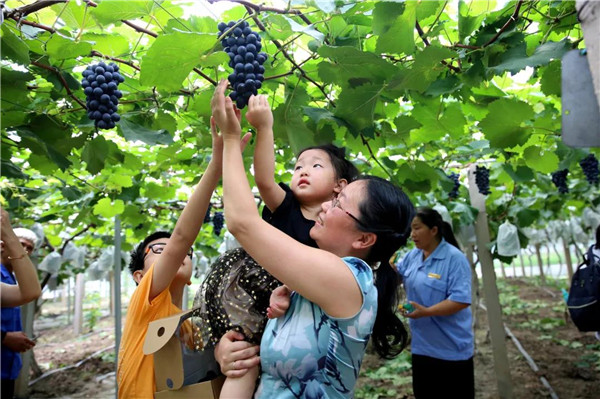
<point>434,275</point>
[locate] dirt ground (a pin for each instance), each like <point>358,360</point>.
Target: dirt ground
<point>568,359</point>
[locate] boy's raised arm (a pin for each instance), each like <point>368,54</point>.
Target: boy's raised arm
<point>190,221</point>
<point>260,116</point>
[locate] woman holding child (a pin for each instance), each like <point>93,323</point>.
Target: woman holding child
<point>344,292</point>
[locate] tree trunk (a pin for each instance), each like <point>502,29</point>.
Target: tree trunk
<point>568,259</point>
<point>540,264</point>
<point>522,262</point>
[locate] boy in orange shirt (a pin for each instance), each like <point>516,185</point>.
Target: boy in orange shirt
<point>161,266</point>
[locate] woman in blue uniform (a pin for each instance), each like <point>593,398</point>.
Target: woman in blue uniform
<point>437,280</point>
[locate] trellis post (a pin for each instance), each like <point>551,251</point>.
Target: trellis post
<point>490,290</point>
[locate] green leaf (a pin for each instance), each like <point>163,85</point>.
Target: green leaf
<point>177,53</point>
<point>114,45</point>
<point>11,171</point>
<point>502,125</point>
<point>288,124</point>
<point>543,161</point>
<point>551,79</point>
<point>521,174</point>
<point>353,63</point>
<point>466,22</point>
<point>385,15</point>
<point>133,131</point>
<point>356,106</point>
<point>13,48</point>
<point>436,124</point>
<point>400,37</point>
<point>516,58</point>
<point>114,11</point>
<point>94,154</point>
<point>61,48</point>
<point>109,209</point>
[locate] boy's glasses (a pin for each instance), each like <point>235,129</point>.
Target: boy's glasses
<point>336,203</point>
<point>159,247</point>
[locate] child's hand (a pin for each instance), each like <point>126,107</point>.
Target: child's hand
<point>259,113</point>
<point>225,113</point>
<point>279,302</point>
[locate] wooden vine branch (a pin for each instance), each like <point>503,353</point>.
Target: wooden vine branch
<point>288,57</point>
<point>95,53</point>
<point>62,80</point>
<point>21,12</point>
<point>424,38</point>
<point>366,143</point>
<point>258,8</point>
<point>90,226</point>
<point>150,33</point>
<point>512,18</point>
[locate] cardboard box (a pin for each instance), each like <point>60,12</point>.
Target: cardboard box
<point>181,370</point>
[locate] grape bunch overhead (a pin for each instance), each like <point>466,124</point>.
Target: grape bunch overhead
<point>454,192</point>
<point>589,165</point>
<point>559,178</point>
<point>218,220</point>
<point>243,47</point>
<point>100,85</point>
<point>482,179</point>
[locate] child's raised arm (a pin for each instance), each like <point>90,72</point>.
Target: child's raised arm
<point>259,115</point>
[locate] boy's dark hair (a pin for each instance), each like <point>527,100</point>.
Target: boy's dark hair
<point>137,255</point>
<point>344,169</point>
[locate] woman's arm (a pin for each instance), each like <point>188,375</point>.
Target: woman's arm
<point>28,286</point>
<point>260,116</point>
<point>235,356</point>
<point>445,308</point>
<point>313,273</point>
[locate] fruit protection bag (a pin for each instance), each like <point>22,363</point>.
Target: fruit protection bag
<point>508,240</point>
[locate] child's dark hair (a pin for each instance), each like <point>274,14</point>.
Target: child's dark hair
<point>598,237</point>
<point>344,169</point>
<point>388,212</point>
<point>137,255</point>
<point>431,218</point>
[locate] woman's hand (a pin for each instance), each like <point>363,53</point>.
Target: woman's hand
<point>217,141</point>
<point>4,220</point>
<point>420,311</point>
<point>225,113</point>
<point>236,356</point>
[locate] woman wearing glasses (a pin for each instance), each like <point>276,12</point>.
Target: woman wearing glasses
<point>344,292</point>
<point>161,267</point>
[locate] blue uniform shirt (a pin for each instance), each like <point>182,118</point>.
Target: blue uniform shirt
<point>11,321</point>
<point>445,274</point>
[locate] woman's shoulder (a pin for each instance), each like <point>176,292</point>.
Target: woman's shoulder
<point>361,269</point>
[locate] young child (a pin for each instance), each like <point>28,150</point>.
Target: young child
<point>235,294</point>
<point>161,267</point>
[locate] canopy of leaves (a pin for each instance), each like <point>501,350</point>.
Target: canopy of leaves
<point>413,89</point>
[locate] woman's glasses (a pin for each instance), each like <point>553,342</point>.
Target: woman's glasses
<point>336,203</point>
<point>159,247</point>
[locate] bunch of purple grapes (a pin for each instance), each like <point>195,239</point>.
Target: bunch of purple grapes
<point>218,220</point>
<point>454,192</point>
<point>482,179</point>
<point>589,165</point>
<point>559,178</point>
<point>243,47</point>
<point>100,84</point>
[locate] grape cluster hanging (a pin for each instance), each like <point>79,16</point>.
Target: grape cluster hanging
<point>100,85</point>
<point>243,46</point>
